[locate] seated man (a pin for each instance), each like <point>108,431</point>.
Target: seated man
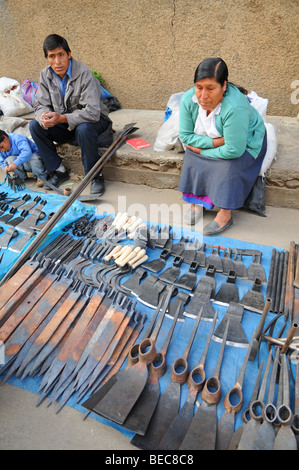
<point>69,106</point>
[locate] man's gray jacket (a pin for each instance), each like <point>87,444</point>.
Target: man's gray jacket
<point>82,101</point>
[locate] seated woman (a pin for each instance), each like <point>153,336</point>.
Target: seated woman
<point>225,139</point>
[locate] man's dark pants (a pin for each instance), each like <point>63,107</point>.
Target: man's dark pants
<point>86,135</point>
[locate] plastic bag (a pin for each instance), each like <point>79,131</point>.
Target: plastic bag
<point>11,100</point>
<point>260,104</point>
<point>28,90</point>
<point>168,134</point>
<point>255,202</point>
<point>271,148</point>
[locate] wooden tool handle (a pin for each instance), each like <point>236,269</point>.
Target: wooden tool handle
<point>121,221</point>
<point>132,234</point>
<point>129,222</point>
<point>138,262</point>
<point>134,225</point>
<point>123,253</point>
<point>128,257</point>
<point>115,250</point>
<point>120,216</point>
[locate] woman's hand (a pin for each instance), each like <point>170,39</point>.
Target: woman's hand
<point>194,149</point>
<point>218,141</point>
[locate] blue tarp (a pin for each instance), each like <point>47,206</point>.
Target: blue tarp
<point>233,355</point>
<point>54,202</point>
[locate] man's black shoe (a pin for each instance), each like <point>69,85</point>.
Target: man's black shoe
<point>97,185</point>
<point>58,178</point>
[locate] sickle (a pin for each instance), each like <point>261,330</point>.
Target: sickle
<point>68,202</point>
<point>202,430</point>
<point>225,427</point>
<point>169,402</point>
<point>176,432</point>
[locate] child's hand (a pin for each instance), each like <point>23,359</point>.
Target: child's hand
<point>11,167</point>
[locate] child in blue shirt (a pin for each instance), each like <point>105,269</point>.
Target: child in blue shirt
<point>19,154</point>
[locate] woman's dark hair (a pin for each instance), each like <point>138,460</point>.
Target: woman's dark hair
<point>213,67</point>
<point>216,68</point>
<point>53,41</point>
<point>2,135</point>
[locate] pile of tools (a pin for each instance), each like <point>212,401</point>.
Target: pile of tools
<point>20,220</point>
<point>50,319</point>
<point>157,419</point>
<point>72,316</point>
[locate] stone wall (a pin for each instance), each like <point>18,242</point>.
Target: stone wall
<point>148,49</point>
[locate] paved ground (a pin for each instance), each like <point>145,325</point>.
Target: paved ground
<point>23,425</point>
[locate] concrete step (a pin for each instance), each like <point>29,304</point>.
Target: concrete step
<point>163,169</point>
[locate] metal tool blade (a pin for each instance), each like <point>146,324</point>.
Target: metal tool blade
<point>165,411</point>
<point>226,424</point>
<point>256,413</point>
<point>285,438</point>
<point>201,433</point>
<point>142,412</point>
<point>122,397</point>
